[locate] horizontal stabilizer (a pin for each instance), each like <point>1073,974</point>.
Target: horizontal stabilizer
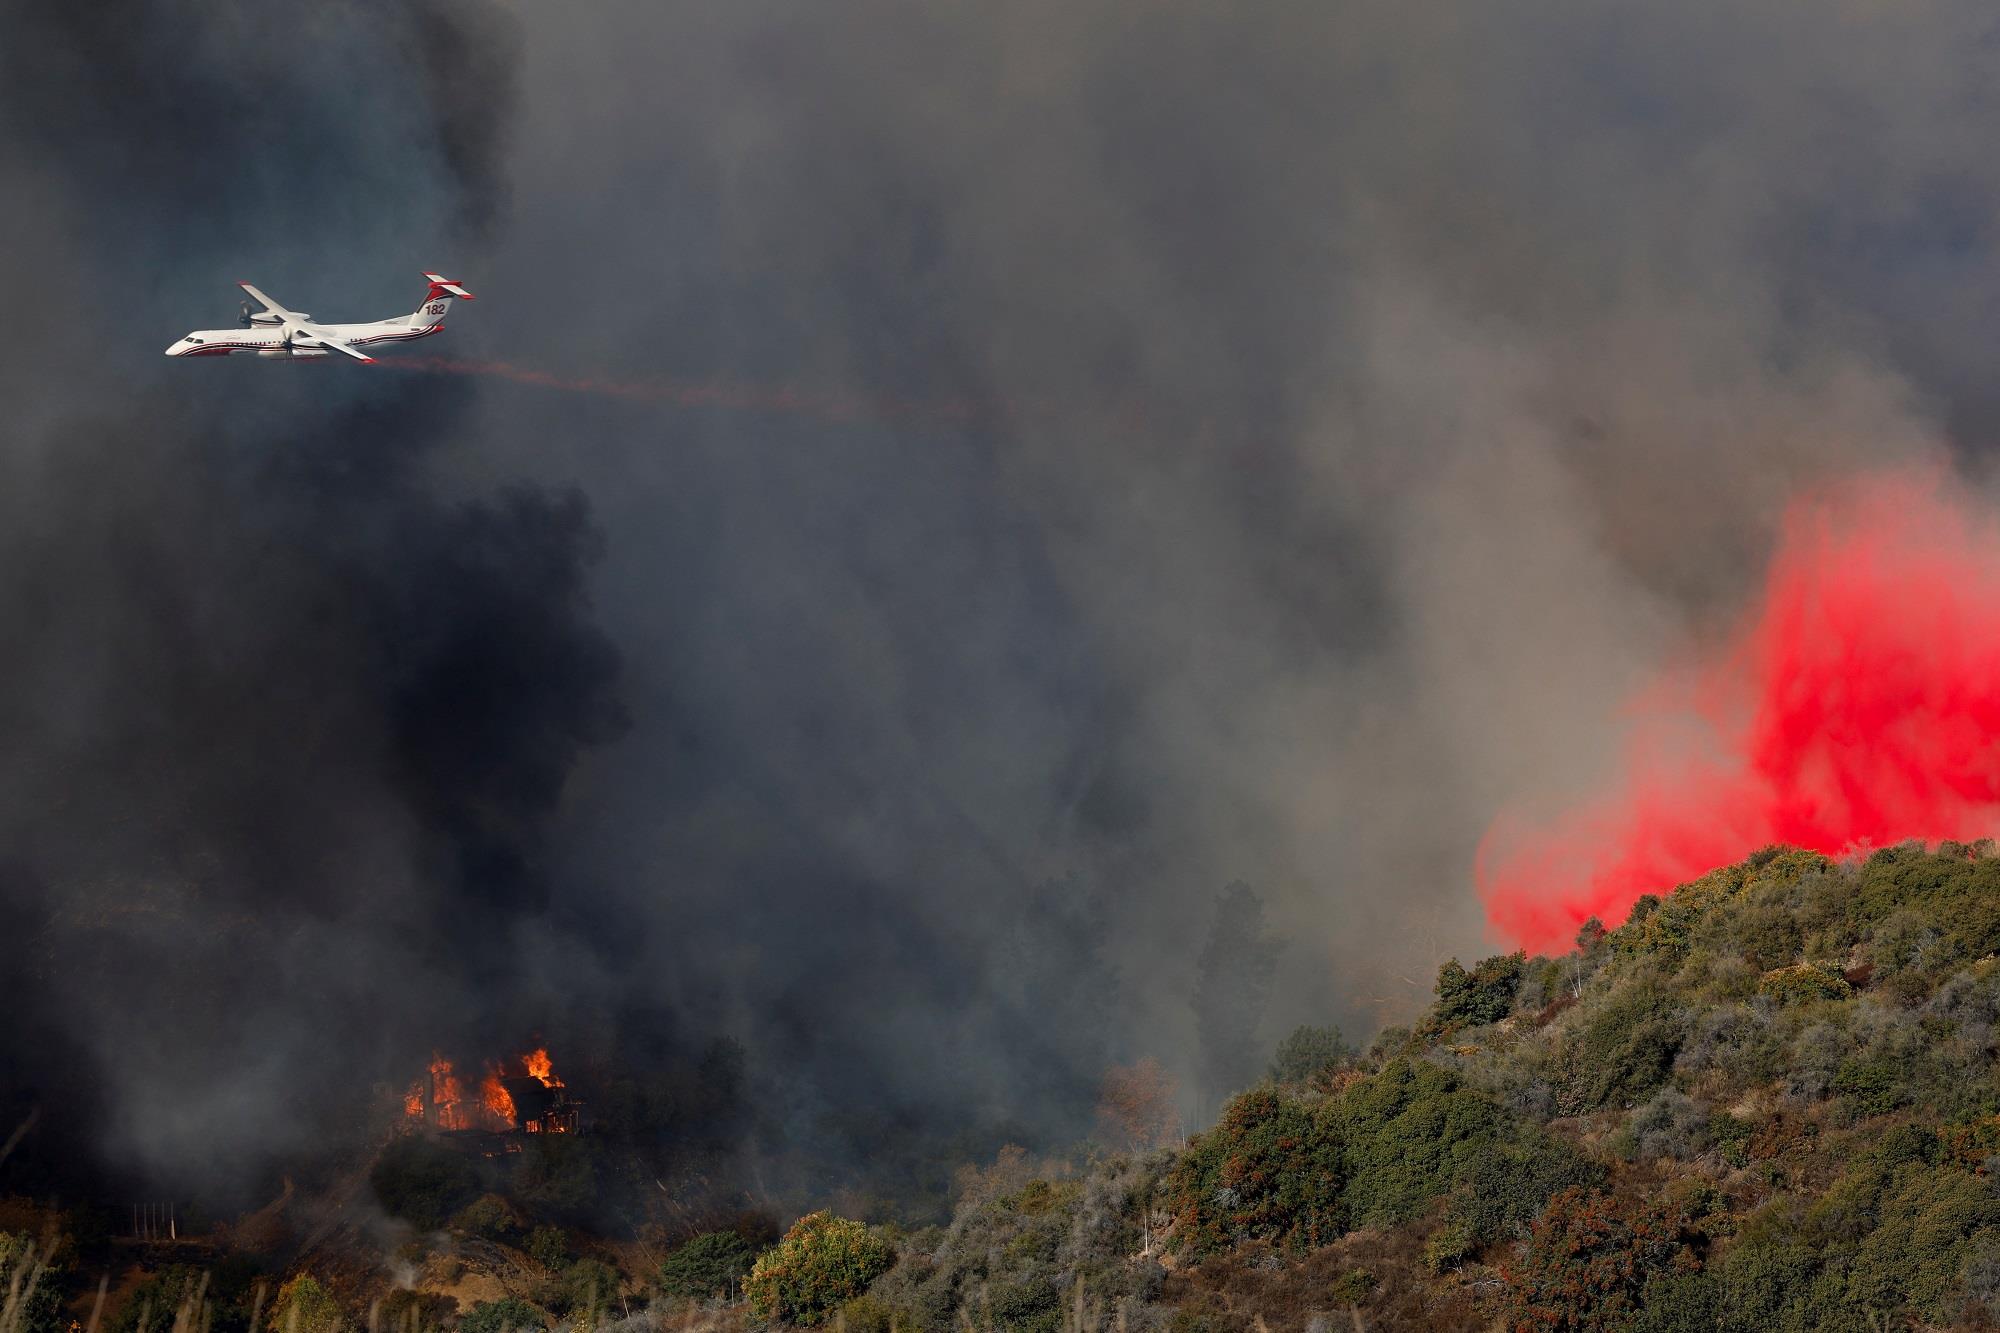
<point>440,283</point>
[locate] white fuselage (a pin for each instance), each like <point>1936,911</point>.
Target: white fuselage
<point>269,338</point>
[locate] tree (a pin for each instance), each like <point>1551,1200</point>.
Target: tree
<point>1483,995</point>
<point>823,1262</point>
<point>1309,1051</point>
<point>1135,1106</point>
<point>1232,984</point>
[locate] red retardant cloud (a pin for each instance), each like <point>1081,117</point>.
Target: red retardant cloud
<point>1858,706</point>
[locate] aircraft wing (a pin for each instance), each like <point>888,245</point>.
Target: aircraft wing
<point>319,337</point>
<point>268,304</point>
<point>304,330</point>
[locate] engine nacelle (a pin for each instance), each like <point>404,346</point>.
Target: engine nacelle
<point>293,353</point>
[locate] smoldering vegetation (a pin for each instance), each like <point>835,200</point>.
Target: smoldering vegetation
<point>1405,385</point>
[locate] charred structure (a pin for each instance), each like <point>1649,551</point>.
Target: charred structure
<point>541,1108</point>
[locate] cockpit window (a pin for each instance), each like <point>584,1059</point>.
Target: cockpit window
<point>193,339</point>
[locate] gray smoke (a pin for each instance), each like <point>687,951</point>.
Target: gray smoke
<point>1473,350</point>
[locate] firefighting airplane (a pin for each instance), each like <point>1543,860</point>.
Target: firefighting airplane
<point>276,332</point>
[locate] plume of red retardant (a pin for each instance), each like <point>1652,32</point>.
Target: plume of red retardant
<point>1858,705</point>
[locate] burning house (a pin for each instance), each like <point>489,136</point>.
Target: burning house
<point>517,1097</point>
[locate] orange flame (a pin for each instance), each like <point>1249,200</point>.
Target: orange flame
<point>539,1066</point>
<point>494,1109</point>
<point>494,1096</point>
<point>445,1093</point>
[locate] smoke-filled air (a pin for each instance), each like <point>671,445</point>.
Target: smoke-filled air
<point>971,570</point>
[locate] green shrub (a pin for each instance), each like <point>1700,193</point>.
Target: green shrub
<point>40,1271</point>
<point>865,1314</point>
<point>1803,984</point>
<point>1912,1257</point>
<point>1309,1051</point>
<point>304,1306</point>
<point>1622,1050</point>
<point>1449,1246</point>
<point>1768,1280</point>
<point>1040,1197</point>
<point>1483,995</point>
<point>1679,1303</point>
<point>1731,1137</point>
<point>1903,1144</point>
<point>549,1247</point>
<point>1590,1258</point>
<point>708,1266</point>
<point>1268,1170</point>
<point>1352,1287</point>
<point>1873,1086</point>
<point>488,1217</point>
<point>1030,1304</point>
<point>154,1300</point>
<point>581,1289</point>
<point>1018,1248</point>
<point>1408,1136</point>
<point>823,1262</point>
<point>557,1176</point>
<point>1300,1172</point>
<point>509,1312</point>
<point>423,1181</point>
<point>1503,1184</point>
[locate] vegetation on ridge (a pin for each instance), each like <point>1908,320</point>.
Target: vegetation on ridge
<point>1768,1101</point>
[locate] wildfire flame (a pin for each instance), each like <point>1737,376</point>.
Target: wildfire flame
<point>493,1094</point>
<point>440,1099</point>
<point>539,1066</point>
<point>445,1093</point>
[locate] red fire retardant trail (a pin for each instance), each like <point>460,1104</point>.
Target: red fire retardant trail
<point>729,395</point>
<point>1858,706</point>
<point>830,405</point>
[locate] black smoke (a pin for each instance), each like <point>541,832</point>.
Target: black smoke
<point>348,714</point>
<point>286,721</point>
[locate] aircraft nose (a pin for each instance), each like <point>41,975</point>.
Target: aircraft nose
<point>175,349</point>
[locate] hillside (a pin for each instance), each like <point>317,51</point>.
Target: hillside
<point>1767,1101</point>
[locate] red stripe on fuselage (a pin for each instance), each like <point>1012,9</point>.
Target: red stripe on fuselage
<point>224,349</point>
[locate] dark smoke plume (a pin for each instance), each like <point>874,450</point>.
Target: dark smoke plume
<point>1476,350</point>
<point>285,721</point>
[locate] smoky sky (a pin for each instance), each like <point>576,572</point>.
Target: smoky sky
<point>1360,398</point>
